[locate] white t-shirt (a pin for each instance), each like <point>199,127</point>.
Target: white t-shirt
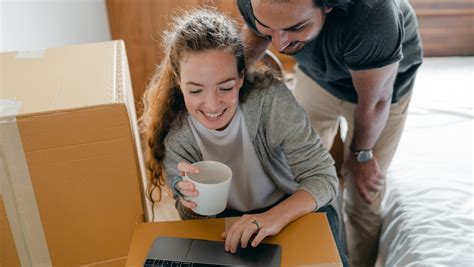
<point>251,187</point>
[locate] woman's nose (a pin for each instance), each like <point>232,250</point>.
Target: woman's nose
<point>212,101</point>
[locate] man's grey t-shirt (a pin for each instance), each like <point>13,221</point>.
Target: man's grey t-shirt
<point>370,34</point>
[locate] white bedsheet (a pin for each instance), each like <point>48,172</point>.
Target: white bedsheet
<point>428,209</point>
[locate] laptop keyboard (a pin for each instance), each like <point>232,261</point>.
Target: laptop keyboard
<point>168,263</point>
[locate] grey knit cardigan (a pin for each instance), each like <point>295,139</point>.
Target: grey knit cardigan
<point>290,151</point>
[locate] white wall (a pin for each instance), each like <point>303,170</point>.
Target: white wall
<point>40,24</point>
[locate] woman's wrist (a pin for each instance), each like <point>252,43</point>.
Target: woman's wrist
<point>295,206</point>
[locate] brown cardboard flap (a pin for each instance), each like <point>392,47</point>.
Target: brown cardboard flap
<point>61,78</point>
<point>82,167</point>
<point>8,254</point>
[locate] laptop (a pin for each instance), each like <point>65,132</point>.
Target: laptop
<point>175,251</point>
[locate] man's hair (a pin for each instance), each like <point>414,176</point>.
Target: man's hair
<point>341,4</point>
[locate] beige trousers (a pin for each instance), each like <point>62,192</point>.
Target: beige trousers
<point>362,221</point>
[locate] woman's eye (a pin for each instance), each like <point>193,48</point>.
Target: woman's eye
<point>195,91</point>
<point>227,88</point>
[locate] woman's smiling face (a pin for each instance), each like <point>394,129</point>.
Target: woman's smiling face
<point>210,84</point>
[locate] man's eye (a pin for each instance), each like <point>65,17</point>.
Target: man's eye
<point>298,29</point>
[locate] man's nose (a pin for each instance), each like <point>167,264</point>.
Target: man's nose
<point>280,40</point>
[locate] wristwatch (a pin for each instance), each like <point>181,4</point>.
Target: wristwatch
<point>362,156</point>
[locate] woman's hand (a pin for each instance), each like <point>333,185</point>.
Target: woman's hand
<point>262,225</point>
<point>187,188</point>
<point>268,223</point>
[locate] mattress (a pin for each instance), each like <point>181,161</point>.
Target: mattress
<point>428,207</point>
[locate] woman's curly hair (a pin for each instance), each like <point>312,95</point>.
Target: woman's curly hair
<point>197,30</point>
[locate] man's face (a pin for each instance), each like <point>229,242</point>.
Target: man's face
<point>290,24</point>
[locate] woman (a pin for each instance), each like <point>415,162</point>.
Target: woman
<point>202,105</point>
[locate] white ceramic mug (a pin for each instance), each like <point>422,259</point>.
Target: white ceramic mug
<point>213,184</point>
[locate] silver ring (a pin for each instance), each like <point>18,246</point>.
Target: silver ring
<point>256,223</point>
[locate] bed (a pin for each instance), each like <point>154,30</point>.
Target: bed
<point>428,208</point>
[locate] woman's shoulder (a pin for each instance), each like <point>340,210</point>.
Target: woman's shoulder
<point>265,83</point>
<point>279,94</point>
<point>179,133</point>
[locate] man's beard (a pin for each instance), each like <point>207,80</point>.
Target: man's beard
<point>300,46</point>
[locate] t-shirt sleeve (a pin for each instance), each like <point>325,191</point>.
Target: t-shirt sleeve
<point>376,40</point>
<point>246,10</point>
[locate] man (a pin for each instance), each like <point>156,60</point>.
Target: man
<point>358,60</point>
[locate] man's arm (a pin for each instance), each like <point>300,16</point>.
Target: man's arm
<point>255,45</point>
<point>374,90</point>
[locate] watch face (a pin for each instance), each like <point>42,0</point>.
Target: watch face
<point>364,156</point>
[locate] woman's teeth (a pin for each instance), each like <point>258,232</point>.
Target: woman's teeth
<point>213,115</point>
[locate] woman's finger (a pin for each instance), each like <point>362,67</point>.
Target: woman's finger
<point>233,234</point>
<point>186,167</point>
<point>188,204</point>
<point>247,233</point>
<point>261,234</point>
<point>188,193</point>
<point>234,240</point>
<point>224,235</point>
<point>229,239</point>
<point>185,185</point>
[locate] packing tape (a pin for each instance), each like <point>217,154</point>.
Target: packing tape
<point>17,191</point>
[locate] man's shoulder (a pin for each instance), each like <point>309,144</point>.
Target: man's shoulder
<point>364,10</point>
<point>371,3</point>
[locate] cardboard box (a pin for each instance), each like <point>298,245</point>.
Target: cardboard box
<point>71,167</point>
<point>8,254</point>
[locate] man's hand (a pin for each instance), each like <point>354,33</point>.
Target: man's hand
<point>367,176</point>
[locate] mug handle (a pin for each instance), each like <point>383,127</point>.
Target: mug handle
<point>175,180</point>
